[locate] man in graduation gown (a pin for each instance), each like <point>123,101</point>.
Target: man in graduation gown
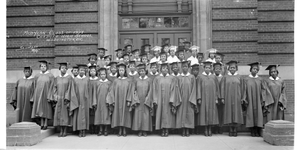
<point>22,93</point>
<point>257,96</point>
<point>42,106</point>
<point>101,54</point>
<point>64,95</point>
<point>187,88</point>
<point>207,98</point>
<point>165,88</point>
<point>81,115</point>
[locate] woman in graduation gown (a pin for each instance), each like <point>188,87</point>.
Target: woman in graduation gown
<point>257,97</point>
<point>187,87</point>
<point>165,100</point>
<point>81,115</point>
<point>231,96</point>
<point>119,100</point>
<point>42,106</point>
<point>277,88</point>
<point>112,72</point>
<point>207,97</point>
<point>93,76</point>
<point>142,102</point>
<point>65,98</point>
<point>22,94</point>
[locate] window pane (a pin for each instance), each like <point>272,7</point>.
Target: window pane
<point>183,21</point>
<point>125,23</point>
<point>175,22</point>
<point>168,22</point>
<point>134,23</point>
<point>165,41</point>
<point>144,41</point>
<point>180,41</point>
<point>143,22</point>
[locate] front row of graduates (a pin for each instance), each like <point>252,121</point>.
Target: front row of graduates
<point>175,101</point>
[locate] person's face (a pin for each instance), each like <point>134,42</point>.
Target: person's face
<point>147,49</point>
<point>144,59</point>
<point>274,73</point>
<point>211,55</point>
<point>63,69</point>
<point>119,53</point>
<point>185,68</point>
<point>163,57</point>
<point>195,71</point>
<point>181,55</point>
<point>186,45</point>
<point>107,61</point>
<point>218,59</point>
<point>27,73</point>
<point>207,68</point>
<point>172,52</point>
<point>199,57</point>
<point>75,72</point>
<point>164,70</point>
<point>129,49</point>
<point>254,70</point>
<point>101,53</point>
<point>137,54</point>
<point>126,59</point>
<point>131,67</point>
<point>102,75</point>
<point>217,70</point>
<point>81,71</point>
<point>142,72</point>
<point>232,69</point>
<point>121,71</point>
<point>194,52</point>
<point>113,69</point>
<point>93,60</point>
<point>43,67</point>
<point>156,53</point>
<point>175,68</point>
<point>166,49</point>
<point>93,72</point>
<point>153,68</point>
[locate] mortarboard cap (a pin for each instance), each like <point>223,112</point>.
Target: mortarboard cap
<point>232,62</point>
<point>173,63</point>
<point>254,64</point>
<point>184,61</point>
<point>143,54</point>
<point>63,63</point>
<point>121,64</point>
<point>164,64</point>
<point>207,63</point>
<point>135,50</point>
<point>102,49</point>
<point>194,47</point>
<point>128,45</point>
<point>112,63</point>
<point>27,67</point>
<point>126,54</point>
<point>119,49</point>
<point>92,54</point>
<point>219,54</point>
<point>212,50</point>
<point>146,45</point>
<point>272,66</point>
<point>156,48</point>
<point>199,53</point>
<point>153,63</point>
<point>102,69</point>
<point>107,56</point>
<point>75,67</point>
<point>44,62</point>
<point>195,65</point>
<point>132,62</point>
<point>216,64</point>
<point>162,53</point>
<point>141,66</point>
<point>180,50</point>
<point>92,66</point>
<point>186,42</point>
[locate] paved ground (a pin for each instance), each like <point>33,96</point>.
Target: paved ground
<point>153,142</point>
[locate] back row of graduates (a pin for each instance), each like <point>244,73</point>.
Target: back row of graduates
<point>168,95</point>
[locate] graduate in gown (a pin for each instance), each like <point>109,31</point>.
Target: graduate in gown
<point>181,58</point>
<point>119,100</point>
<point>231,95</point>
<point>219,58</point>
<point>195,72</point>
<point>42,106</point>
<point>112,72</point>
<point>185,113</point>
<point>22,94</point>
<point>142,102</point>
<point>132,73</point>
<point>172,57</point>
<point>187,50</point>
<point>101,54</point>
<point>144,60</point>
<point>175,70</point>
<point>217,72</point>
<point>119,54</point>
<point>64,95</point>
<point>165,88</point>
<point>277,88</point>
<point>153,72</point>
<point>74,71</point>
<point>257,97</point>
<point>81,115</point>
<point>102,116</point>
<point>193,59</point>
<point>93,76</point>
<point>207,97</point>
<point>156,50</point>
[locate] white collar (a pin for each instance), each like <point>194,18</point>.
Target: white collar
<point>271,78</point>
<point>146,77</point>
<point>231,74</point>
<point>185,75</point>
<point>206,74</point>
<point>220,75</point>
<point>89,64</point>
<point>103,80</point>
<point>250,75</point>
<point>45,72</point>
<point>122,78</point>
<point>119,58</point>
<point>113,75</point>
<point>78,76</point>
<point>153,74</point>
<point>28,77</point>
<point>93,78</point>
<point>178,74</point>
<point>100,58</point>
<point>134,73</point>
<point>163,75</point>
<point>66,74</point>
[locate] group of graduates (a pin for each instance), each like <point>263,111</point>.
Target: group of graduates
<point>161,88</point>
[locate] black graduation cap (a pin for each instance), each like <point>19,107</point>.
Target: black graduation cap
<point>153,63</point>
<point>254,64</point>
<point>207,63</point>
<point>186,42</point>
<point>119,49</point>
<point>199,53</point>
<point>195,66</point>
<point>92,66</point>
<point>135,50</point>
<point>141,66</point>
<point>112,63</point>
<point>128,45</point>
<point>92,54</point>
<point>184,61</point>
<point>132,62</point>
<point>163,53</point>
<point>63,63</point>
<point>173,63</point>
<point>107,56</point>
<point>81,65</point>
<point>27,67</point>
<point>180,50</point>
<point>44,62</point>
<point>215,64</point>
<point>102,69</point>
<point>146,45</point>
<point>272,66</point>
<point>232,62</point>
<point>164,64</point>
<point>126,54</point>
<point>219,54</point>
<point>75,67</point>
<point>120,64</point>
<point>102,49</point>
<point>143,54</point>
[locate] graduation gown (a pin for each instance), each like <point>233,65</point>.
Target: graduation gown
<point>111,77</point>
<point>41,107</point>
<point>255,93</point>
<point>185,112</point>
<point>231,91</point>
<point>22,95</point>
<point>62,90</point>
<point>119,94</point>
<point>208,92</point>
<point>102,116</point>
<point>278,90</point>
<point>220,106</point>
<point>152,76</point>
<point>92,94</point>
<point>143,100</point>
<point>164,96</point>
<point>133,76</point>
<point>81,115</point>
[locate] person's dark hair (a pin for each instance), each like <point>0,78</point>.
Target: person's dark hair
<point>46,66</point>
<point>60,68</point>
<point>236,66</point>
<point>252,67</point>
<point>30,70</point>
<point>146,71</point>
<point>270,72</point>
<point>125,72</point>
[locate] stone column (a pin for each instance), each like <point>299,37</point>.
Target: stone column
<point>202,24</point>
<point>108,25</point>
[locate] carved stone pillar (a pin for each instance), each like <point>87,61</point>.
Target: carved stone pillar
<point>108,25</point>
<point>202,24</point>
